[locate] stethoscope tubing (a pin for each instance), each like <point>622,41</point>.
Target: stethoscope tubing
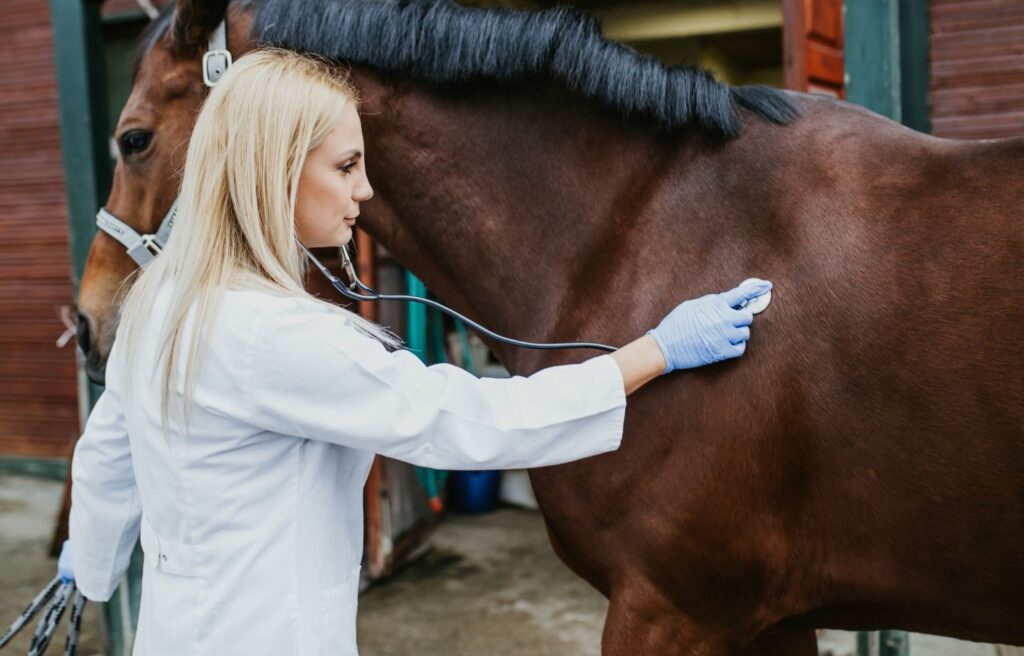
<point>373,295</point>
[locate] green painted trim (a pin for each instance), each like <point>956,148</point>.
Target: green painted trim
<point>893,643</point>
<point>883,643</point>
<point>872,55</point>
<point>82,96</point>
<point>53,469</point>
<point>416,321</point>
<point>436,338</point>
<point>864,642</point>
<point>915,53</point>
<point>886,57</point>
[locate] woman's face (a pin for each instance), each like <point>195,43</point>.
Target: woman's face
<point>332,184</point>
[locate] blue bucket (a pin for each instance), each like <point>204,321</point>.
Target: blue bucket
<point>474,491</point>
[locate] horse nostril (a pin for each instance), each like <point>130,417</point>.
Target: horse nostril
<point>83,334</point>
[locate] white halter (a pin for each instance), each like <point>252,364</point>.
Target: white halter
<point>143,248</point>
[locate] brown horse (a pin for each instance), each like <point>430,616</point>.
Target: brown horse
<point>861,467</point>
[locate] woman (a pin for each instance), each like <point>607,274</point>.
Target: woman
<point>243,467</point>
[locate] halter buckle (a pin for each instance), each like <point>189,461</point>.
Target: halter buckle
<point>215,64</point>
<point>149,241</point>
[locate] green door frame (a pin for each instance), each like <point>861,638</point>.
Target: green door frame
<point>886,55</point>
<point>82,98</point>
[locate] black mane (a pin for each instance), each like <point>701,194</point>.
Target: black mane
<point>441,42</point>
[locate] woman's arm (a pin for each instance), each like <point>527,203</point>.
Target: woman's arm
<point>313,375</point>
<point>105,505</point>
<point>640,361</point>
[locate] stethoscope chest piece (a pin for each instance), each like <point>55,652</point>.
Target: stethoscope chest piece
<point>759,304</point>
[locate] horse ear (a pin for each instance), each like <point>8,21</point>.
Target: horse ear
<point>194,21</point>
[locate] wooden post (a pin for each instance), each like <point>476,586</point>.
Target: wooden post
<point>812,43</point>
<point>378,546</point>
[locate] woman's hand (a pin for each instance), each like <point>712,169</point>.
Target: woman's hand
<point>708,329</point>
<point>64,569</point>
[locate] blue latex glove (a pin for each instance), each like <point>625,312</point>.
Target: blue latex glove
<point>64,570</point>
<point>708,329</point>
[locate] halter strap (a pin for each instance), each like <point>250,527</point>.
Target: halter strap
<point>143,248</point>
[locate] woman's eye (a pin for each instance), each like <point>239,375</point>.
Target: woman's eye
<point>135,141</point>
<point>347,168</point>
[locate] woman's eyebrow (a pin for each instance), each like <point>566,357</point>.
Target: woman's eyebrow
<point>348,154</point>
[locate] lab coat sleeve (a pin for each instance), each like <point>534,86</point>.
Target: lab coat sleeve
<point>105,505</point>
<point>316,376</point>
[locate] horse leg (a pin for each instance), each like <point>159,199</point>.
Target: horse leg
<point>641,628</point>
<point>640,621</point>
<point>784,642</point>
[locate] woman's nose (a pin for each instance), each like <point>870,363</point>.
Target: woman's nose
<point>364,193</point>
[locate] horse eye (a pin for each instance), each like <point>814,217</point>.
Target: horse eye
<point>135,141</point>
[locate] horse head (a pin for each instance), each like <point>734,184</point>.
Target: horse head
<point>152,135</point>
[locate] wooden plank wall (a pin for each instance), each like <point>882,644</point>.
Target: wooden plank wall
<point>977,68</point>
<point>38,388</point>
<point>813,46</point>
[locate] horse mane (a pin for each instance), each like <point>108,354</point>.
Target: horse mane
<point>441,42</point>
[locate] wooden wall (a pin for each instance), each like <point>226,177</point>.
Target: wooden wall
<point>39,406</point>
<point>38,380</point>
<point>977,68</point>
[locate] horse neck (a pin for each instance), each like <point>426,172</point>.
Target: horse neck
<point>517,205</point>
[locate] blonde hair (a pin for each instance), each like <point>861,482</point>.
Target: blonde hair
<point>235,224</point>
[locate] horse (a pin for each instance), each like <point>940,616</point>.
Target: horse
<point>860,467</point>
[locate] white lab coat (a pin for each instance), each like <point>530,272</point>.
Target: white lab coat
<point>252,529</point>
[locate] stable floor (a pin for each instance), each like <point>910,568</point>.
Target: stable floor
<point>489,585</point>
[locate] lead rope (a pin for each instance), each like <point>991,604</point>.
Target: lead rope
<point>50,620</point>
<point>71,644</point>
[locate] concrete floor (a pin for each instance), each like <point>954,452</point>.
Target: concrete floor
<point>489,585</point>
<point>28,509</point>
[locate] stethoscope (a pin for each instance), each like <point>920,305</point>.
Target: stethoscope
<point>373,295</point>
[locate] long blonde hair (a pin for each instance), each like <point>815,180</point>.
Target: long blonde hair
<point>235,223</point>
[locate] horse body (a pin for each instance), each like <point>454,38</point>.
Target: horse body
<point>859,467</point>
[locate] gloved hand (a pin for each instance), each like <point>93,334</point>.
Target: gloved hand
<point>708,329</point>
<point>64,570</point>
